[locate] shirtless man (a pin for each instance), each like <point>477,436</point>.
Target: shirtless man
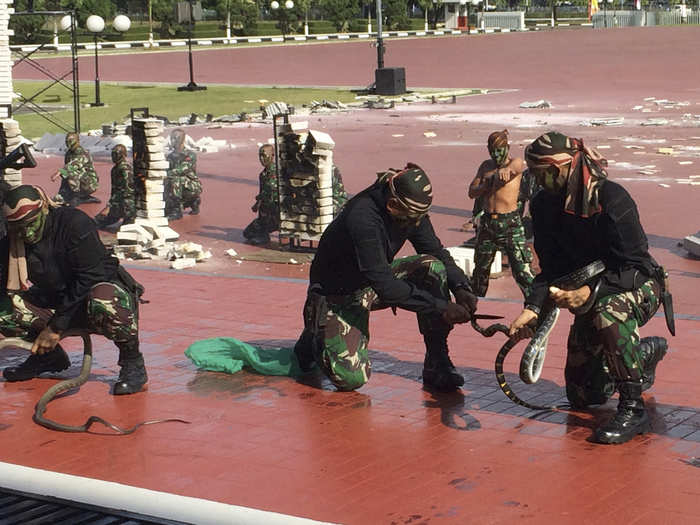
<point>497,185</point>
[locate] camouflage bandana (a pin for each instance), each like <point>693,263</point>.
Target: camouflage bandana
<point>412,188</point>
<point>583,167</point>
<point>498,147</point>
<point>24,205</point>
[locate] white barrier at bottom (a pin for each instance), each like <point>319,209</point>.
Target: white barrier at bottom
<point>116,496</point>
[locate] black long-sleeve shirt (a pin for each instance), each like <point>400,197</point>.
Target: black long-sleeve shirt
<point>564,242</point>
<point>62,267</point>
<point>356,250</point>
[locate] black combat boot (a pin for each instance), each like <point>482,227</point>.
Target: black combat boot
<point>175,214</point>
<point>132,376</point>
<point>438,371</point>
<point>54,361</point>
<point>631,418</point>
<point>194,209</point>
<point>89,199</point>
<point>303,350</point>
<point>653,350</point>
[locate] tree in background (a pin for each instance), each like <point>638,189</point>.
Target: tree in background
<point>340,12</point>
<point>243,14</point>
<point>396,14</point>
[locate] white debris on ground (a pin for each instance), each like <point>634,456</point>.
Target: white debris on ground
<point>603,121</point>
<point>537,104</point>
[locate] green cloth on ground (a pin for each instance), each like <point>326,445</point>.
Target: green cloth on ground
<point>226,354</point>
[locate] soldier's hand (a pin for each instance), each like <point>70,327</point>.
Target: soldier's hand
<point>523,325</point>
<point>55,176</point>
<point>255,206</point>
<point>456,314</point>
<point>569,298</point>
<point>45,341</point>
<point>466,299</point>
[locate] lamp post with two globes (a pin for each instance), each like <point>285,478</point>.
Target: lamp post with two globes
<point>283,17</point>
<point>96,25</point>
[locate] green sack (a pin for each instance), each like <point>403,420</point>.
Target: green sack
<point>226,354</point>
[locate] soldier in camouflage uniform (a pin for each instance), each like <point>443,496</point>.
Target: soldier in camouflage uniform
<point>183,189</point>
<point>579,217</point>
<point>75,284</point>
<point>122,201</point>
<point>78,176</point>
<point>340,196</point>
<point>267,203</point>
<point>497,187</point>
<point>354,272</point>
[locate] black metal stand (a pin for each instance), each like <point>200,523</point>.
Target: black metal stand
<point>97,102</point>
<point>192,85</point>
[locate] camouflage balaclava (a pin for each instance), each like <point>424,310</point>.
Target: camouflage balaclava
<point>498,147</point>
<point>266,154</point>
<point>118,153</point>
<point>177,140</point>
<point>72,140</point>
<point>564,165</point>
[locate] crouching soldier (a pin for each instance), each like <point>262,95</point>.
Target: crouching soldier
<point>183,189</point>
<point>354,272</point>
<point>78,176</point>
<point>267,204</point>
<point>122,201</point>
<point>75,284</point>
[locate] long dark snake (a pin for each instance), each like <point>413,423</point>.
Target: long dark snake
<point>75,382</point>
<point>490,331</point>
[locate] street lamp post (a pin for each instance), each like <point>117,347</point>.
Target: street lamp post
<point>96,25</point>
<point>191,86</point>
<point>275,5</point>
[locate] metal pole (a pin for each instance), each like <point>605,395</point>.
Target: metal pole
<point>192,86</point>
<point>380,40</point>
<point>76,82</point>
<point>97,78</point>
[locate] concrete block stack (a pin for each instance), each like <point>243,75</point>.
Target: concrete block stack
<point>6,10</point>
<point>9,130</point>
<point>150,233</point>
<point>306,183</point>
<point>9,127</point>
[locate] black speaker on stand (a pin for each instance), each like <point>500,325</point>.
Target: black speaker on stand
<point>390,81</point>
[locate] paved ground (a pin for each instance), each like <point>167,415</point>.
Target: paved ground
<point>390,452</point>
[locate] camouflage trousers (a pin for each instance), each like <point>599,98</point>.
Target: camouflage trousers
<point>343,354</point>
<point>183,191</point>
<point>603,345</point>
<point>503,232</point>
<point>109,311</point>
<point>121,208</point>
<point>82,183</point>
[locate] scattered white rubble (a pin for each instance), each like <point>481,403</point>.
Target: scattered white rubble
<point>655,122</point>
<point>231,252</point>
<point>603,121</point>
<point>537,104</point>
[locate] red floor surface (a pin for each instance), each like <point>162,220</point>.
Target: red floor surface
<point>391,452</point>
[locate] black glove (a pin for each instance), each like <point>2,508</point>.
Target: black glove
<point>466,299</point>
<point>456,314</point>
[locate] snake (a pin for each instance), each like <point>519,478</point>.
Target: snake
<point>71,383</point>
<point>490,331</point>
<point>532,361</point>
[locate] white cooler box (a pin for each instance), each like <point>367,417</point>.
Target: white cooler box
<point>464,257</point>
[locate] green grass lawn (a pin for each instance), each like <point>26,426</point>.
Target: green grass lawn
<point>166,101</point>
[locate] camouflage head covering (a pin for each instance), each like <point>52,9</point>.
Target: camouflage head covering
<point>412,188</point>
<point>177,139</point>
<point>583,167</point>
<point>72,140</point>
<point>498,147</point>
<point>118,153</point>
<point>498,139</point>
<point>22,205</point>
